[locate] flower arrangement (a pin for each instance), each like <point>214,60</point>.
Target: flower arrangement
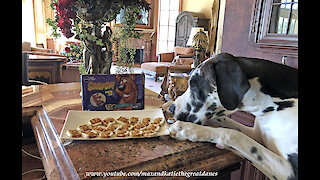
<point>64,13</point>
<point>87,20</point>
<point>73,51</point>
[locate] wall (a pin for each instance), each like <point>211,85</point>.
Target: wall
<point>235,34</point>
<point>199,6</point>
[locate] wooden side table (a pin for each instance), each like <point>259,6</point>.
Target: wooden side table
<point>46,68</point>
<point>171,69</point>
<point>178,84</point>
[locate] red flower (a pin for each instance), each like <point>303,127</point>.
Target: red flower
<point>67,49</point>
<point>68,33</point>
<point>70,14</point>
<point>65,14</point>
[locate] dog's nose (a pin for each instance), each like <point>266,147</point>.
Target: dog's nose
<point>172,108</point>
<point>122,87</point>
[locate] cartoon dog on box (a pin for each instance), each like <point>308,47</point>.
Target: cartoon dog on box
<point>127,90</point>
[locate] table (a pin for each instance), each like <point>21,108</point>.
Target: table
<point>46,68</point>
<point>77,159</point>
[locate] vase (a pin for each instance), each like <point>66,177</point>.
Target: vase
<point>124,70</point>
<point>98,58</point>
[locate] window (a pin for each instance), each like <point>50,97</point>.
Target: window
<point>284,17</point>
<point>168,12</point>
<point>275,24</point>
<point>28,30</point>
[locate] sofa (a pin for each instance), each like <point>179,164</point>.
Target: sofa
<point>180,58</point>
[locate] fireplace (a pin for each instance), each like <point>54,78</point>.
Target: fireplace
<point>138,57</point>
<point>143,48</point>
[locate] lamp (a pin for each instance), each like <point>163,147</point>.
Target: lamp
<point>200,43</point>
<point>193,32</point>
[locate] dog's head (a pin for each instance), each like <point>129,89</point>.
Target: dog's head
<point>216,88</point>
<point>127,88</point>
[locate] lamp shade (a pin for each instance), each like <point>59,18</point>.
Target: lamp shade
<point>193,32</point>
<point>200,40</point>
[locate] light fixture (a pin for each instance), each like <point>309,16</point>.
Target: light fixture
<point>200,44</point>
<point>200,40</point>
<point>194,31</point>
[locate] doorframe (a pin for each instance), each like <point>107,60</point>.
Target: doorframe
<point>222,9</point>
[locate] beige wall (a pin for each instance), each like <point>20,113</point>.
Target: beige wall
<point>199,6</point>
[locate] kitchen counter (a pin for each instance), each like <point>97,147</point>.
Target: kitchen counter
<point>80,158</point>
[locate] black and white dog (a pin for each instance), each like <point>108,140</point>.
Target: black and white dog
<point>225,84</point>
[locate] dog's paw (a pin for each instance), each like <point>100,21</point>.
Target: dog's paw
<point>189,131</point>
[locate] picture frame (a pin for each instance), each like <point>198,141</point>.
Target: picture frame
<point>145,22</point>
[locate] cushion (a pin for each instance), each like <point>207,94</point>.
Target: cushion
<point>155,66</point>
<point>166,57</point>
<point>186,55</point>
<point>183,50</point>
<point>182,61</point>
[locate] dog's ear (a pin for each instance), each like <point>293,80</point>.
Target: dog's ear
<point>118,78</point>
<point>231,81</point>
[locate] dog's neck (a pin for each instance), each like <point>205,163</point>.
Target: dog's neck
<point>254,101</point>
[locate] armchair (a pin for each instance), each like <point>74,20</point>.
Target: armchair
<point>180,60</point>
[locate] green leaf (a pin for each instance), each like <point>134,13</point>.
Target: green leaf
<point>99,42</point>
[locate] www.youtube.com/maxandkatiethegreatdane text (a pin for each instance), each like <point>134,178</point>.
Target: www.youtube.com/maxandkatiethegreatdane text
<point>186,174</point>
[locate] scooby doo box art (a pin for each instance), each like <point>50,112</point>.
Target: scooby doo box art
<point>112,92</point>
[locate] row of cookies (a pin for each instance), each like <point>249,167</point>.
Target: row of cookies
<point>120,127</point>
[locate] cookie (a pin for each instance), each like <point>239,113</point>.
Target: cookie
<point>95,121</point>
<point>159,121</point>
<point>145,121</point>
<point>109,120</point>
<point>74,133</point>
<point>122,119</point>
<point>106,134</point>
<point>89,134</point>
<point>85,127</point>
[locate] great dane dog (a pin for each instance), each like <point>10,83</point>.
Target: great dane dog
<point>224,84</point>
